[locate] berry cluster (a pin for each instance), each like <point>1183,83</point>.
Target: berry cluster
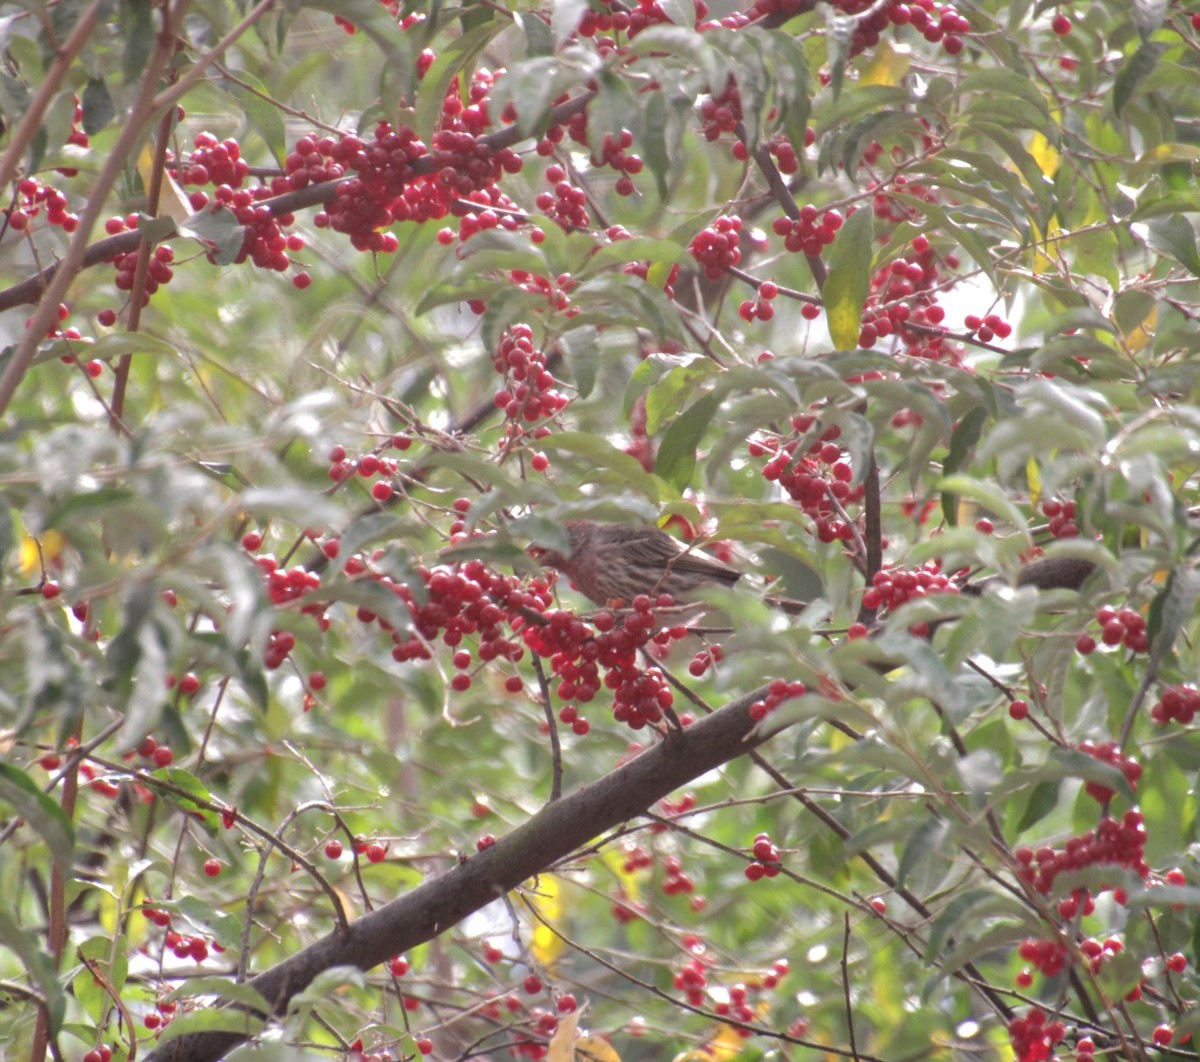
<point>766,862</point>
<point>181,945</point>
<point>1033,1039</point>
<point>675,881</point>
<point>1046,956</point>
<point>936,23</point>
<point>1062,517</point>
<point>892,587</point>
<point>1124,626</point>
<point>1109,753</point>
<point>721,111</point>
<point>901,303</point>
<point>32,198</point>
<point>1180,703</point>
<point>818,478</point>
<point>692,980</point>
<point>529,394</point>
<point>716,248</point>
<point>777,692</point>
<point>985,329</point>
<point>761,306</point>
<point>1119,843</point>
<point>213,162</point>
<point>810,233</point>
<point>577,655</point>
<point>382,170</point>
<point>158,269</point>
<point>567,204</point>
<point>614,152</point>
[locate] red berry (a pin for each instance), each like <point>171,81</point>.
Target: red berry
<point>425,1045</point>
<point>532,984</point>
<point>381,491</point>
<point>333,849</point>
<point>1061,25</point>
<point>163,756</point>
<point>212,867</point>
<point>1019,709</point>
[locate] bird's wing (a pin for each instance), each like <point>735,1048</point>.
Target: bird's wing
<point>657,552</point>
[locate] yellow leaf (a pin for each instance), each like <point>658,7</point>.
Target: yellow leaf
<point>1044,154</point>
<point>562,1044</point>
<point>594,1049</point>
<point>32,558</point>
<point>1033,476</point>
<point>1139,337</point>
<point>546,901</point>
<point>965,511</point>
<point>888,65</point>
<point>173,202</point>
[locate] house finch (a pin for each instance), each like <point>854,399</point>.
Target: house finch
<point>616,562</point>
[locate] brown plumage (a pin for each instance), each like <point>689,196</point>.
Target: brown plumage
<point>617,562</point>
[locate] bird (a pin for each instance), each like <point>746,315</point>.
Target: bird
<point>610,563</point>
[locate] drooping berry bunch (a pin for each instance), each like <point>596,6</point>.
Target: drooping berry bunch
<point>212,161</point>
<point>34,197</point>
<point>530,393</point>
<point>1033,1039</point>
<point>578,653</point>
<point>1048,957</point>
<point>777,692</point>
<point>721,111</point>
<point>766,862</point>
<point>615,152</point>
<point>716,248</point>
<point>1179,703</point>
<point>1117,843</point>
<point>816,473</point>
<point>809,234</point>
<point>1124,626</point>
<point>1062,517</point>
<point>567,204</point>
<point>892,587</point>
<point>1108,752</point>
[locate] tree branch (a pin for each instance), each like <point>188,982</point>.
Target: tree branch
<point>553,834</point>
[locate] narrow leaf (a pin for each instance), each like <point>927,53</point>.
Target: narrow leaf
<point>849,278</point>
<point>677,453</point>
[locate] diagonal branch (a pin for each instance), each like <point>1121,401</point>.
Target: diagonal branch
<point>553,834</point>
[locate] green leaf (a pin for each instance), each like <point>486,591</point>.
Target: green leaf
<point>265,116</point>
<point>137,34</point>
<point>565,18</point>
<point>226,928</point>
<point>989,496</point>
<point>218,230</point>
<point>1135,70</point>
<point>603,455</point>
<point>1171,609</point>
<point>216,1019</point>
<point>97,104</point>
<point>40,813</point>
<point>666,397</point>
<point>676,459</point>
<point>1148,16</point>
<point>849,278</point>
<point>1171,236</point>
<point>189,786</point>
<point>31,951</point>
<point>1043,799</point>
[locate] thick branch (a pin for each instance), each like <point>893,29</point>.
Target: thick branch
<point>556,831</point>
